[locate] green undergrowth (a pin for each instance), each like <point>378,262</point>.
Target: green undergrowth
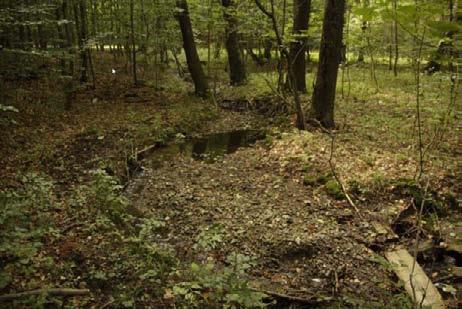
<point>88,240</point>
<point>208,285</point>
<point>99,134</point>
<point>92,239</point>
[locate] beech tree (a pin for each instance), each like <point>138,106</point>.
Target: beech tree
<point>330,55</point>
<point>189,45</point>
<point>298,45</point>
<point>237,73</point>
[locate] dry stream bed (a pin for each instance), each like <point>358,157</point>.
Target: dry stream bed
<point>306,243</point>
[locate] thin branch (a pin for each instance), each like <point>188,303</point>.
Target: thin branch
<point>288,297</point>
<point>332,168</point>
<point>416,245</point>
<point>51,292</point>
<point>337,178</point>
<point>263,9</point>
<point>419,121</point>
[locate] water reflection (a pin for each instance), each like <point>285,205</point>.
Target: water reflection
<point>208,148</point>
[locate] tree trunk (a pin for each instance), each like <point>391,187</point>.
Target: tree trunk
<point>258,60</point>
<point>237,71</point>
<point>68,33</point>
<point>298,45</point>
<point>83,10</point>
<point>329,61</point>
<point>61,38</point>
<point>94,19</point>
<point>133,47</point>
<point>81,27</point>
<point>267,47</point>
<point>194,64</point>
<point>284,53</point>
<point>395,35</point>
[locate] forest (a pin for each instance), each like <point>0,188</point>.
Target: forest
<point>230,154</point>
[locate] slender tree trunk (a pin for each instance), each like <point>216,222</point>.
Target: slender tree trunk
<point>78,31</point>
<point>282,58</point>
<point>452,9</point>
<point>329,61</point>
<point>237,71</point>
<point>194,64</point>
<point>258,60</point>
<point>361,48</point>
<point>61,37</point>
<point>87,49</point>
<point>390,50</point>
<point>372,66</point>
<point>177,62</point>
<point>395,35</point>
<point>94,19</point>
<point>284,53</point>
<point>42,42</point>
<point>209,38</point>
<point>268,45</point>
<point>364,26</point>
<point>132,34</point>
<point>144,17</point>
<point>111,27</point>
<point>298,45</point>
<point>68,34</point>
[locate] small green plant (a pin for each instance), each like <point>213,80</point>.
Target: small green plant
<point>430,199</point>
<point>210,238</point>
<point>158,259</point>
<point>213,287</point>
<point>93,130</point>
<point>334,189</point>
<point>315,179</point>
<point>25,221</point>
<point>309,180</point>
<point>323,179</point>
<point>105,194</point>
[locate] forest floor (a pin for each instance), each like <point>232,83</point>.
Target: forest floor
<point>270,217</point>
<point>279,203</point>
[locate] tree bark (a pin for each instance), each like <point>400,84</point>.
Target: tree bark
<point>237,71</point>
<point>68,33</point>
<point>395,37</point>
<point>268,45</point>
<point>61,37</point>
<point>133,45</point>
<point>192,58</point>
<point>81,30</point>
<point>298,45</point>
<point>329,61</point>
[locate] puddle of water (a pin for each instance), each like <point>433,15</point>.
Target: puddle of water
<point>208,148</point>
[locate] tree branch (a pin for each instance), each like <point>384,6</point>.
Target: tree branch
<point>51,291</point>
<point>263,9</point>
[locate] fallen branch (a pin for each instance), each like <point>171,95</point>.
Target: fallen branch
<point>140,154</point>
<point>51,292</point>
<point>288,297</point>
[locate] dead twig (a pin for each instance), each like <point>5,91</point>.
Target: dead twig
<point>140,154</point>
<point>51,292</point>
<point>332,168</point>
<point>288,297</point>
